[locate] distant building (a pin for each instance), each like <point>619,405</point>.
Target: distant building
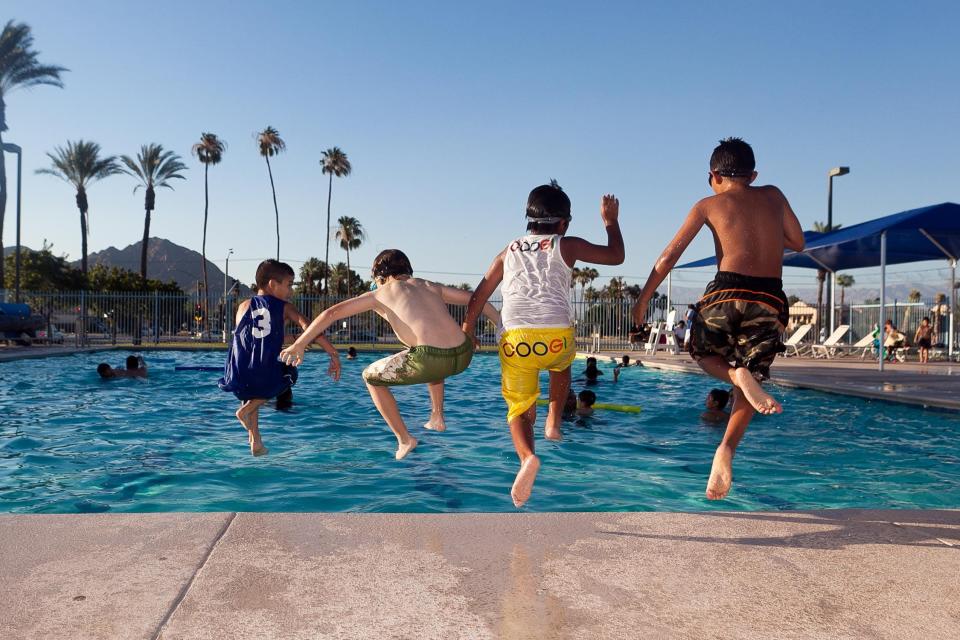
<point>801,313</point>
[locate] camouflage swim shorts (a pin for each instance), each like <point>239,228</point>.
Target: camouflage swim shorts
<point>741,319</point>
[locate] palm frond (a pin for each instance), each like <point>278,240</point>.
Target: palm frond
<point>335,161</point>
<point>210,149</point>
<point>18,61</point>
<point>270,142</point>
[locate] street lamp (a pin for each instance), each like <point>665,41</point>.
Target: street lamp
<point>836,171</point>
<point>226,277</point>
<point>9,147</point>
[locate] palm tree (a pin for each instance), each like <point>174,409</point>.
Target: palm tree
<point>19,69</point>
<point>844,280</point>
<point>153,168</point>
<point>334,163</point>
<point>822,227</point>
<point>940,309</point>
<point>80,164</point>
<point>271,144</point>
<point>351,235</point>
<point>574,281</point>
<point>209,151</point>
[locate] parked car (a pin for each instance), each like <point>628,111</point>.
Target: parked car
<point>56,336</point>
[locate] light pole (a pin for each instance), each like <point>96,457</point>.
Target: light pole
<point>226,278</point>
<point>9,147</point>
<point>836,171</point>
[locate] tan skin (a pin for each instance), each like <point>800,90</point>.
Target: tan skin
<point>249,412</point>
<point>572,249</point>
<point>417,311</point>
<point>751,227</point>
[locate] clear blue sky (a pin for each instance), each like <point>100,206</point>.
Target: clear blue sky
<point>452,112</point>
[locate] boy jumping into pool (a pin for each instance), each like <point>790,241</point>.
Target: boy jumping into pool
<point>417,311</point>
<point>537,316</point>
<point>740,318</point>
<point>253,371</point>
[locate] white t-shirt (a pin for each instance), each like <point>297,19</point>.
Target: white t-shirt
<point>536,284</point>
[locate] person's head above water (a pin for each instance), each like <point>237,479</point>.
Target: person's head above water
<point>351,353</point>
<point>548,210</point>
<point>105,370</point>
<point>717,399</point>
<point>732,160</point>
<point>591,363</point>
<point>390,263</point>
<point>625,360</point>
<point>133,362</point>
<point>275,278</point>
<point>587,398</point>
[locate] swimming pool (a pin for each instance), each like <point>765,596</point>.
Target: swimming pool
<point>71,443</point>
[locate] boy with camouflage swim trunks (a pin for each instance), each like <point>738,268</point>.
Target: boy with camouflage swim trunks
<point>417,311</point>
<point>737,328</point>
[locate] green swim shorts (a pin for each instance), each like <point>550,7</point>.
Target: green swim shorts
<point>417,365</point>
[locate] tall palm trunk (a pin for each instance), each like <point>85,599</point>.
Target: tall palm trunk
<point>349,273</point>
<point>203,249</point>
<point>3,198</point>
<point>326,255</point>
<point>843,290</point>
<point>148,204</point>
<point>275,210</point>
<point>83,206</point>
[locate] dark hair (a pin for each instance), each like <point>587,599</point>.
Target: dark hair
<point>591,361</point>
<point>391,262</point>
<point>587,397</point>
<point>272,270</point>
<point>733,158</point>
<point>547,201</point>
<point>133,362</point>
<point>926,318</point>
<point>720,396</point>
<point>351,351</point>
<point>104,370</point>
<point>625,359</point>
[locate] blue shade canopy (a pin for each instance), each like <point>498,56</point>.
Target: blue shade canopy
<point>927,233</point>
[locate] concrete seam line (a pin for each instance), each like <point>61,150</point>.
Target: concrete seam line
<point>186,588</point>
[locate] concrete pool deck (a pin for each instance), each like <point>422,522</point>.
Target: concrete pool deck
<point>936,384</point>
<point>822,574</point>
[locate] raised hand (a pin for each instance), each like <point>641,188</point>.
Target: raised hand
<point>609,209</point>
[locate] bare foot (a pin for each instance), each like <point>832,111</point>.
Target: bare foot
<point>257,449</point>
<point>243,415</point>
<point>759,399</point>
<point>523,485</point>
<point>404,449</point>
<point>552,433</point>
<point>721,475</point>
<point>436,422</point>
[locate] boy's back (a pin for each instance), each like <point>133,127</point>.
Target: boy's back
<point>417,312</point>
<point>748,229</point>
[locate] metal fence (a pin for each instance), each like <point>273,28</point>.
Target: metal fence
<point>90,318</point>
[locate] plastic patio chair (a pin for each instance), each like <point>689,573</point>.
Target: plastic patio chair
<point>829,346</point>
<point>793,343</point>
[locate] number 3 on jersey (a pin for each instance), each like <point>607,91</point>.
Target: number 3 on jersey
<point>261,322</point>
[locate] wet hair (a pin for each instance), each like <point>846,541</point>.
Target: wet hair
<point>733,158</point>
<point>720,396</point>
<point>591,362</point>
<point>272,270</point>
<point>625,359</point>
<point>587,397</point>
<point>547,201</point>
<point>391,262</point>
<point>133,362</point>
<point>351,352</point>
<point>104,370</point>
<point>926,318</point>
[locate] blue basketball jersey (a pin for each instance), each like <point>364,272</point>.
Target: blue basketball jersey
<point>253,369</point>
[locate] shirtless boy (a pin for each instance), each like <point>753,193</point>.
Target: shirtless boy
<point>537,317</point>
<point>736,333</point>
<point>417,311</point>
<point>252,372</point>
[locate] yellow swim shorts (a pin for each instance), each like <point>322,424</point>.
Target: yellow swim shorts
<point>524,353</point>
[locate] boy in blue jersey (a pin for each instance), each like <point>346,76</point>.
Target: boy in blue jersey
<point>253,371</point>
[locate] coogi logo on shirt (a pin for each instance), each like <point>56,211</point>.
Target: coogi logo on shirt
<point>526,245</point>
<point>538,348</point>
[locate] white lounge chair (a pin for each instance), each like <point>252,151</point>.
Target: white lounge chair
<point>829,347</point>
<point>654,338</point>
<point>672,345</point>
<point>792,344</point>
<point>659,329</point>
<point>864,345</point>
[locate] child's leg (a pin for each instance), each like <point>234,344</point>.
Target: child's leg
<point>721,474</point>
<point>387,406</point>
<point>249,416</point>
<point>521,431</point>
<point>741,378</point>
<point>559,386</point>
<point>436,421</point>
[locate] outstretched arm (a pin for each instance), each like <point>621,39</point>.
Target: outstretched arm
<point>688,231</point>
<point>293,354</point>
<point>478,301</point>
<point>573,249</point>
<point>452,295</point>
<point>292,314</point>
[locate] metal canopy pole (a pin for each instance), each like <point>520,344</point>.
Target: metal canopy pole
<point>833,301</point>
<point>669,292</point>
<point>883,296</point>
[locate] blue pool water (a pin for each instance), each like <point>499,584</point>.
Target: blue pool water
<point>70,443</point>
